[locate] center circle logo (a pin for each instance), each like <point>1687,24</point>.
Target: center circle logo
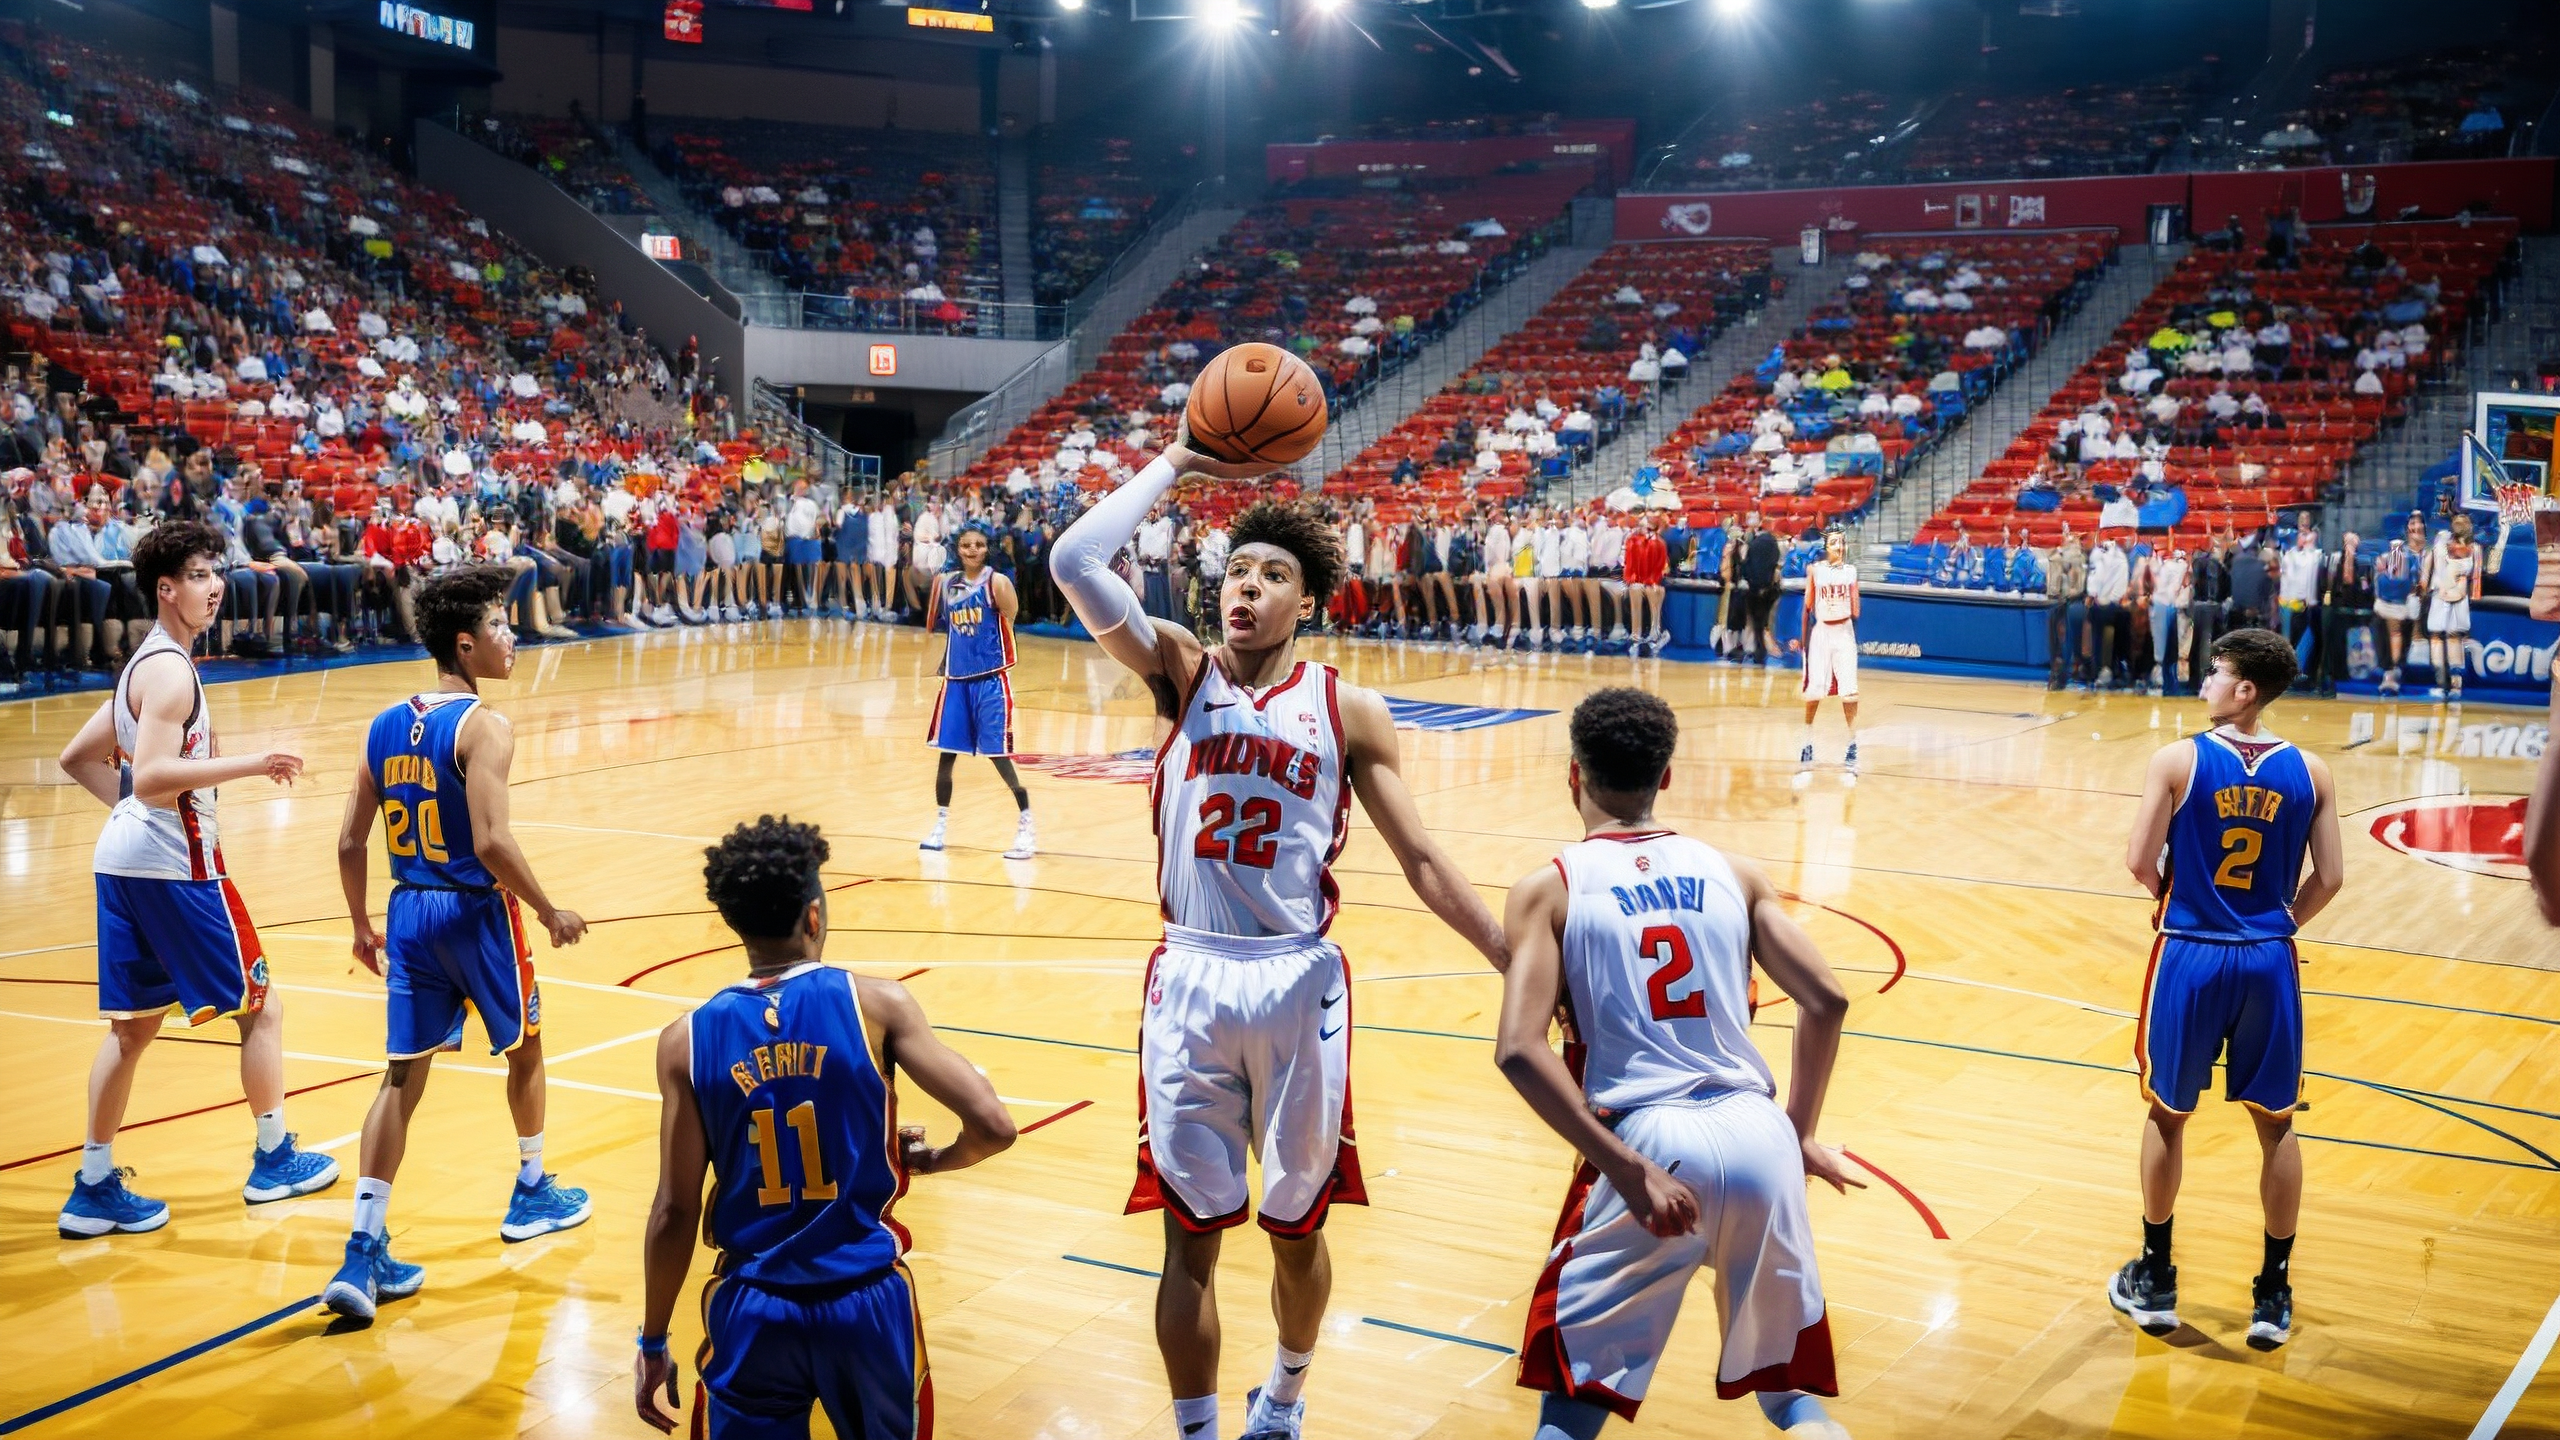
<point>2459,832</point>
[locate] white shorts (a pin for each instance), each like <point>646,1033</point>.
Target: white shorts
<point>2395,609</point>
<point>1604,1305</point>
<point>1245,1047</point>
<point>1831,660</point>
<point>2449,617</point>
<point>877,556</point>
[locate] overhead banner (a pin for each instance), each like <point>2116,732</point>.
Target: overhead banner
<point>684,21</point>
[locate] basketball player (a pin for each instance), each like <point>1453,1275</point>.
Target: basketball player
<point>435,766</point>
<point>2219,840</point>
<point>974,713</point>
<point>1831,643</point>
<point>1245,1038</point>
<point>2452,583</point>
<point>1647,939</point>
<point>172,933</point>
<point>784,1089</point>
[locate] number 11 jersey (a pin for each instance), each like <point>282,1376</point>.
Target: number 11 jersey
<point>1657,970</point>
<point>1252,803</point>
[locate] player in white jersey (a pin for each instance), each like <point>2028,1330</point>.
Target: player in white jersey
<point>1244,1041</point>
<point>1647,939</point>
<point>1831,642</point>
<point>172,933</point>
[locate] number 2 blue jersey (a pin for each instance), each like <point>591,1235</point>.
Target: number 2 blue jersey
<point>981,639</point>
<point>803,1132</point>
<point>2236,841</point>
<point>426,813</point>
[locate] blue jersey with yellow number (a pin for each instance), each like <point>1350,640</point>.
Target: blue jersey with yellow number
<point>981,638</point>
<point>426,814</point>
<point>802,1130</point>
<point>2236,841</point>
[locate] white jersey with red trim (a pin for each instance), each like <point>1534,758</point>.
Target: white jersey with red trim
<point>1252,804</point>
<point>1831,591</point>
<point>151,842</point>
<point>1657,970</point>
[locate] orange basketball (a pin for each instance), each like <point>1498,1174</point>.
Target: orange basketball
<point>1256,402</point>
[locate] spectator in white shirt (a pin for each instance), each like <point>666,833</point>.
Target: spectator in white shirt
<point>2110,581</point>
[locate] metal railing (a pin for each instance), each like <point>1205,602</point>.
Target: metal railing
<point>983,319</point>
<point>778,414</point>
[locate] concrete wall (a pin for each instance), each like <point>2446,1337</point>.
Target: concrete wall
<point>562,232</point>
<point>834,357</point>
<point>871,82</point>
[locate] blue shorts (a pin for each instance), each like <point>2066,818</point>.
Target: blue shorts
<point>449,948</point>
<point>973,716</point>
<point>2240,1002</point>
<point>802,552</point>
<point>849,546</point>
<point>185,945</point>
<point>767,1358</point>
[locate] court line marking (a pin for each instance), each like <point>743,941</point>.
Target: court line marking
<point>1927,1216</point>
<point>601,1045</point>
<point>144,1372</point>
<point>165,1119</point>
<point>2528,1365</point>
<point>1048,1119</point>
<point>1114,1265</point>
<point>1395,1325</point>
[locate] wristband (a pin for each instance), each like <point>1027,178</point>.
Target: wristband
<point>654,1348</point>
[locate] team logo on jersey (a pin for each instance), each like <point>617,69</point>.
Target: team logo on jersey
<point>2459,832</point>
<point>1644,862</point>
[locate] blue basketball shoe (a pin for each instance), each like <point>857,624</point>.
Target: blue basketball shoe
<point>107,1207</point>
<point>541,1208</point>
<point>369,1275</point>
<point>284,1172</point>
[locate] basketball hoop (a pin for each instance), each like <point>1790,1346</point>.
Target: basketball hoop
<point>2516,504</point>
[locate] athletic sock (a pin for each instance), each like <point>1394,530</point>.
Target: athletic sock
<point>97,1161</point>
<point>529,1159</point>
<point>941,813</point>
<point>1561,1417</point>
<point>271,1129</point>
<point>1196,1419</point>
<point>1787,1409</point>
<point>2278,1269</point>
<point>373,1206</point>
<point>1288,1375</point>
<point>2155,1245</point>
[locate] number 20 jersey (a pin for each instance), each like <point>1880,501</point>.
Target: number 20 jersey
<point>1252,803</point>
<point>1657,970</point>
<point>2236,841</point>
<point>412,751</point>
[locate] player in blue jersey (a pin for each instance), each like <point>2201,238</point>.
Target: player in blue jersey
<point>435,766</point>
<point>784,1087</point>
<point>974,607</point>
<point>2226,820</point>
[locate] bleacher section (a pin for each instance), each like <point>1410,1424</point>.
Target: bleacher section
<point>570,156</point>
<point>1804,144</point>
<point>2207,473</point>
<point>1869,380</point>
<point>1574,353</point>
<point>1288,274</point>
<point>1090,198</point>
<point>2091,130</point>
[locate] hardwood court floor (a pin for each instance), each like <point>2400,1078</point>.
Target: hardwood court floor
<point>1978,860</point>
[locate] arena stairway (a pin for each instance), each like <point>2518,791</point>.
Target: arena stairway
<point>1985,433</point>
<point>2515,326</point>
<point>709,245</point>
<point>1013,231</point>
<point>1390,403</point>
<point>1740,346</point>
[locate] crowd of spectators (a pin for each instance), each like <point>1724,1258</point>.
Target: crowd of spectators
<point>2084,130</point>
<point>1826,141</point>
<point>1091,196</point>
<point>2458,104</point>
<point>571,154</point>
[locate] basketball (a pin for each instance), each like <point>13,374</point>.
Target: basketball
<point>1256,402</point>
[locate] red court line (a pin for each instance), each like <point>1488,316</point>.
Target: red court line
<point>184,1114</point>
<point>35,980</point>
<point>910,975</point>
<point>1936,1230</point>
<point>1900,963</point>
<point>627,980</point>
<point>1034,1125</point>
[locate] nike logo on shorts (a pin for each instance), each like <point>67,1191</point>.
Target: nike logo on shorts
<point>1219,705</point>
<point>1331,1000</point>
<point>1328,1034</point>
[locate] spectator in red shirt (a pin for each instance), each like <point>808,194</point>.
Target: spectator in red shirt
<point>1647,561</point>
<point>662,551</point>
<point>395,549</point>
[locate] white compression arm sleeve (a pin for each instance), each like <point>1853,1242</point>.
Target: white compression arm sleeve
<point>1080,562</point>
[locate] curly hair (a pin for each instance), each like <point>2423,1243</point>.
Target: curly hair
<point>164,550</point>
<point>1302,532</point>
<point>762,876</point>
<point>1623,737</point>
<point>452,605</point>
<point>2260,657</point>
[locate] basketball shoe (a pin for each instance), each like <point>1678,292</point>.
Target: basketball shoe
<point>933,837</point>
<point>2271,1319</point>
<point>106,1207</point>
<point>2152,1300</point>
<point>1851,759</point>
<point>1024,844</point>
<point>542,1207</point>
<point>368,1275</point>
<point>1266,1421</point>
<point>284,1172</point>
<point>1804,758</point>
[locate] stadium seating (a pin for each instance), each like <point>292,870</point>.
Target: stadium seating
<point>1090,197</point>
<point>1814,143</point>
<point>2092,130</point>
<point>570,156</point>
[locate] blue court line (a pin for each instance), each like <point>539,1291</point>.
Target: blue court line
<point>1038,1039</point>
<point>1433,1034</point>
<point>2417,1098</point>
<point>1438,1335</point>
<point>109,1387</point>
<point>1113,1265</point>
<point>2418,1150</point>
<point>2429,1004</point>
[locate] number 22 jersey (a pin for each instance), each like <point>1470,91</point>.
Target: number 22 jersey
<point>2236,841</point>
<point>1252,804</point>
<point>1657,970</point>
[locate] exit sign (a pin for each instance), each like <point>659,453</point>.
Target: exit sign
<point>884,359</point>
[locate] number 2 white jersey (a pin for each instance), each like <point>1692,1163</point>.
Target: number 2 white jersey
<point>1657,970</point>
<point>1252,804</point>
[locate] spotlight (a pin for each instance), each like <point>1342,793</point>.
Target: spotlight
<point>1732,9</point>
<point>1071,6</point>
<point>1326,7</point>
<point>1599,4</point>
<point>1223,14</point>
